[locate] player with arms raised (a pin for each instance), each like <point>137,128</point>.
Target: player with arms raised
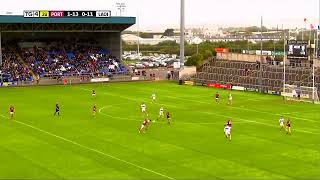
<point>11,112</point>
<point>144,125</point>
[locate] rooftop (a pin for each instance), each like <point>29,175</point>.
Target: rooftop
<point>16,19</point>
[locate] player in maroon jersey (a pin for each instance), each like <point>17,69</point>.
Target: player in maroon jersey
<point>94,110</point>
<point>168,118</point>
<point>217,97</point>
<point>288,127</point>
<point>11,111</point>
<point>144,125</point>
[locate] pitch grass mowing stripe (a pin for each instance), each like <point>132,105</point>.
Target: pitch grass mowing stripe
<point>203,102</point>
<point>215,157</point>
<point>137,119</point>
<point>91,149</point>
<point>128,118</point>
<point>244,120</point>
<point>219,159</point>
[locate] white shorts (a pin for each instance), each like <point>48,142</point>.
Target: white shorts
<point>154,98</point>
<point>11,113</point>
<point>281,124</point>
<point>143,109</point>
<point>227,133</point>
<point>161,113</point>
<point>142,126</point>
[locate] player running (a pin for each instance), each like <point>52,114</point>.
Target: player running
<point>288,129</point>
<point>217,97</point>
<point>168,118</point>
<point>94,110</point>
<point>93,93</point>
<point>227,132</point>
<point>144,125</point>
<point>11,112</point>
<point>161,113</point>
<point>57,110</point>
<point>230,99</point>
<point>153,97</point>
<point>281,123</point>
<point>143,108</point>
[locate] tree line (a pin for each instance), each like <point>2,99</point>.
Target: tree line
<point>205,49</point>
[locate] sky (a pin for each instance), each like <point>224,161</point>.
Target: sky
<point>158,15</point>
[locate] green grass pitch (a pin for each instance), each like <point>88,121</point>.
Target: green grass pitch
<point>37,145</point>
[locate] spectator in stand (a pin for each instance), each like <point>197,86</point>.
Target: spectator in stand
<point>59,59</point>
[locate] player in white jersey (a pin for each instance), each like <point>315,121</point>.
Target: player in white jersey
<point>153,97</point>
<point>143,108</point>
<point>227,132</point>
<point>230,99</point>
<point>161,113</point>
<point>281,123</point>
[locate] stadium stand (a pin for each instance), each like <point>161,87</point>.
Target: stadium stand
<point>58,59</point>
<point>61,48</point>
<point>246,74</point>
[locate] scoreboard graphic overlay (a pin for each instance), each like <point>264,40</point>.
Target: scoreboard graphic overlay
<point>67,14</point>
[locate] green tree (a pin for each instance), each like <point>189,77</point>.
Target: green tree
<point>168,32</point>
<point>207,54</point>
<point>195,60</point>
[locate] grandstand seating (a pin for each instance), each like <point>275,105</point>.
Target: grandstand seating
<point>58,60</point>
<point>247,74</point>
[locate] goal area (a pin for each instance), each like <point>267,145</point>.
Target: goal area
<point>300,93</point>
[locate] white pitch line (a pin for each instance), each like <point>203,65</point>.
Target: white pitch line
<point>257,122</point>
<point>244,121</point>
<point>91,149</point>
<point>253,111</point>
<point>275,114</point>
<point>131,119</point>
<point>124,97</point>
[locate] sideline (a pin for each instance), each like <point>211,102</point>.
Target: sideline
<point>88,148</point>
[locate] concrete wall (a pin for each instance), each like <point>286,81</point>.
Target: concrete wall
<point>188,71</point>
<point>241,57</point>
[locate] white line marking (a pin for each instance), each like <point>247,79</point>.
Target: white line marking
<point>131,119</point>
<point>249,110</point>
<point>293,117</point>
<point>91,149</point>
<point>257,122</point>
<point>275,114</point>
<point>124,97</point>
